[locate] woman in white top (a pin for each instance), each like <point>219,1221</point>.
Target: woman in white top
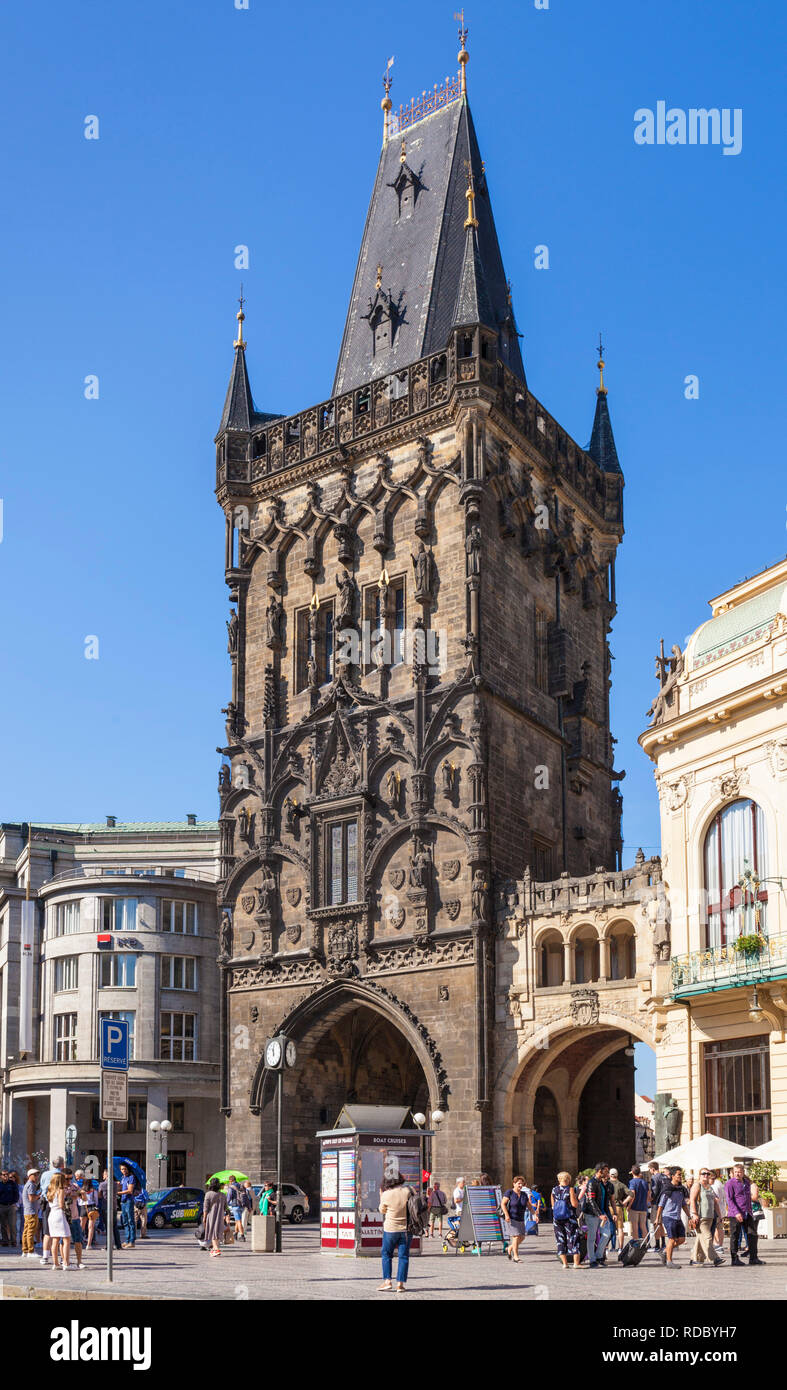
<point>59,1225</point>
<point>718,1233</point>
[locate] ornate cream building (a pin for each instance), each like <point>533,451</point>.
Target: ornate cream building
<point>719,744</point>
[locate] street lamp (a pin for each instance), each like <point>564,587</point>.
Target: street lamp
<point>162,1128</point>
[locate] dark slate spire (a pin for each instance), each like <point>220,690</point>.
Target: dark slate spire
<point>602,441</point>
<point>415,231</point>
<point>473,302</point>
<point>239,411</point>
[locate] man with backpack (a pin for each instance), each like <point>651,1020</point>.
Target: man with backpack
<point>128,1187</point>
<point>658,1182</point>
<point>599,1211</point>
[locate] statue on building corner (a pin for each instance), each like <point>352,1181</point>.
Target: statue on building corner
<point>673,1119</point>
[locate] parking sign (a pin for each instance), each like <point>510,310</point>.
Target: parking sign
<point>114,1044</point>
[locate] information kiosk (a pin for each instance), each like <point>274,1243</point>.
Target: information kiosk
<point>367,1145</point>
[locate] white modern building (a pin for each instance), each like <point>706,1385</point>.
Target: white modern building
<point>121,923</point>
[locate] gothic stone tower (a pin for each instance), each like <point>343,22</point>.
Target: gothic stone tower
<point>421,580</point>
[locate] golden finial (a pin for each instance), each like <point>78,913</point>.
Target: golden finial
<point>602,390</point>
<point>239,343</point>
<point>471,220</point>
<point>464,56</point>
<point>383,581</point>
<point>379,283</point>
<point>314,602</point>
<point>403,155</point>
<point>386,102</point>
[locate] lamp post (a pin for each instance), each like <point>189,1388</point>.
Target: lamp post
<point>161,1128</point>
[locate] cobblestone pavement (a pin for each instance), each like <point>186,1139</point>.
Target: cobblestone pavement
<point>171,1265</point>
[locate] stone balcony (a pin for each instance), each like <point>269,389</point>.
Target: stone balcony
<point>722,967</point>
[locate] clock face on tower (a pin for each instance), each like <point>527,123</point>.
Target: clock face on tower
<point>290,1054</point>
<point>273,1053</point>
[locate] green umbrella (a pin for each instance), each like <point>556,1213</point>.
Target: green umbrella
<point>227,1173</point>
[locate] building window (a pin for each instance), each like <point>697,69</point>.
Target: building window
<point>179,917</point>
<point>65,919</point>
<point>318,647</point>
<point>542,860</point>
<point>390,648</point>
<point>118,971</point>
<point>176,1114</point>
<point>178,972</point>
<point>118,914</point>
<point>738,1090</point>
<point>341,878</point>
<point>65,1038</point>
<point>540,650</point>
<point>124,1016</point>
<point>97,1125</point>
<point>66,973</point>
<point>735,842</point>
<point>176,1169</point>
<point>551,959</point>
<point>178,1037</point>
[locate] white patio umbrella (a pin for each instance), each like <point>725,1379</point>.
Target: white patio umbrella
<point>775,1149</point>
<point>708,1151</point>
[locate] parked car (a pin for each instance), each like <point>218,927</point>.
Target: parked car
<point>173,1206</point>
<point>295,1203</point>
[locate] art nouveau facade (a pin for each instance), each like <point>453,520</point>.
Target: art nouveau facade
<point>148,891</point>
<point>719,744</point>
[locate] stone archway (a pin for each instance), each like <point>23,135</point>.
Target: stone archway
<point>354,1045</point>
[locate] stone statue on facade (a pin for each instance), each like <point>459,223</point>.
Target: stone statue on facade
<point>448,775</point>
<point>348,591</point>
<point>673,1119</point>
<point>225,935</point>
<point>669,669</point>
<point>420,866</point>
<point>473,550</point>
<point>266,892</point>
<point>480,897</point>
<point>425,573</point>
<point>274,622</point>
<point>232,633</point>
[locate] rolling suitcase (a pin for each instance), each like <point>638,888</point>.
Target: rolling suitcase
<point>633,1251</point>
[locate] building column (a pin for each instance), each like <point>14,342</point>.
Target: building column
<point>157,1110</point>
<point>527,1150</point>
<point>603,958</point>
<point>569,1150</point>
<point>568,962</point>
<point>58,1121</point>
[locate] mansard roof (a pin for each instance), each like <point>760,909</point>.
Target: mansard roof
<point>423,252</point>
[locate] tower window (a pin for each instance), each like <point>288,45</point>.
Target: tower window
<point>438,368</point>
<point>540,650</point>
<point>321,649</point>
<point>363,400</point>
<point>389,648</point>
<point>341,862</point>
<point>542,860</point>
<point>259,446</point>
<point>464,345</point>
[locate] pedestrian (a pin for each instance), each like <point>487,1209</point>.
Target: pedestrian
<point>438,1207</point>
<point>673,1202</point>
<point>565,1211</point>
<point>267,1205</point>
<point>599,1210</point>
<point>636,1204</point>
<point>141,1210</point>
<point>721,1197</point>
<point>91,1211</point>
<point>59,1224</point>
<point>31,1201</point>
<point>235,1205</point>
<point>128,1184</point>
<point>73,1214</point>
<point>56,1166</point>
<point>538,1206</point>
<point>657,1183</point>
<point>247,1206</point>
<point>394,1197</point>
<point>517,1207</point>
<point>214,1207</point>
<point>19,1219</point>
<point>704,1211</point>
<point>103,1198</point>
<point>741,1216</point>
<point>620,1192</point>
<point>9,1198</point>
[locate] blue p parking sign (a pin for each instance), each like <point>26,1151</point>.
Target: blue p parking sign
<point>114,1044</point>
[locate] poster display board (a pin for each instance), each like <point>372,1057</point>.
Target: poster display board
<point>481,1221</point>
<point>353,1166</point>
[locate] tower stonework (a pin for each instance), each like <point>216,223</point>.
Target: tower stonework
<point>421,576</point>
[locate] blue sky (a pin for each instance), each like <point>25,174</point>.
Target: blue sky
<point>220,127</point>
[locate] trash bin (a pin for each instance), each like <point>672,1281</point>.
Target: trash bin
<point>263,1234</point>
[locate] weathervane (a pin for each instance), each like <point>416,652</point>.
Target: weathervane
<point>239,343</point>
<point>464,56</point>
<point>602,390</point>
<point>386,102</point>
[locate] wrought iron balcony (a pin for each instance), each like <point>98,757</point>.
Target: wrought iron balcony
<point>722,967</point>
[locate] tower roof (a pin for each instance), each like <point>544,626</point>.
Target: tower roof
<point>415,230</point>
<point>238,412</point>
<point>602,440</point>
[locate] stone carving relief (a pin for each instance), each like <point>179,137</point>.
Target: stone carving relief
<point>247,902</point>
<point>453,907</point>
<point>396,878</point>
<point>728,786</point>
<point>341,947</point>
<point>450,869</point>
<point>584,1007</point>
<point>293,933</point>
<point>777,756</point>
<point>293,896</point>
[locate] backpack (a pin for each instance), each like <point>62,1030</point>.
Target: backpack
<point>563,1210</point>
<point>417,1206</point>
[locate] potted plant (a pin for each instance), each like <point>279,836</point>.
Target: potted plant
<point>750,945</point>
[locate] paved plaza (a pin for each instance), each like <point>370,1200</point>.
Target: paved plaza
<point>171,1265</point>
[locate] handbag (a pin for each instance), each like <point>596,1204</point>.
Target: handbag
<point>531,1227</point>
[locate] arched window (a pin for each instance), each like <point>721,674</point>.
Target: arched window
<point>622,954</point>
<point>735,843</point>
<point>586,956</point>
<point>550,953</point>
